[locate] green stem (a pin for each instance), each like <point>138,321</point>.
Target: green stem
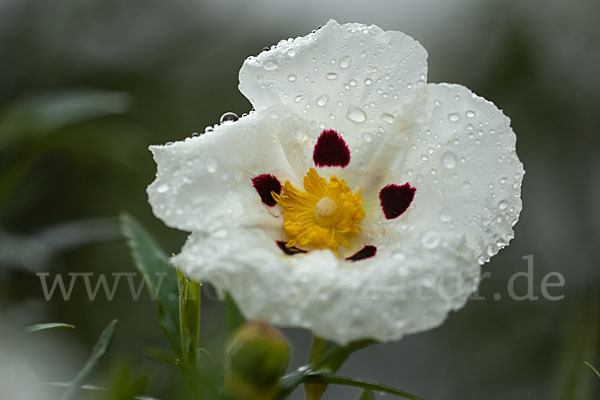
<point>314,391</point>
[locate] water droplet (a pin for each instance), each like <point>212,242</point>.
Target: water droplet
<point>445,215</point>
<point>322,100</point>
<point>503,205</point>
<point>367,137</point>
<point>345,62</point>
<point>274,211</point>
<point>357,115</point>
<point>292,78</point>
<point>454,117</point>
<point>449,160</point>
<point>270,65</point>
<point>331,76</point>
<point>430,240</point>
<point>299,98</point>
<point>228,118</point>
<point>163,188</point>
<point>387,118</point>
<point>398,255</point>
<point>208,129</point>
<point>470,114</point>
<point>211,165</point>
<point>368,81</point>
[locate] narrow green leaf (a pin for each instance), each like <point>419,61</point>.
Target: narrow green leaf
<point>233,316</point>
<point>99,350</point>
<point>366,395</point>
<point>210,368</point>
<point>49,325</point>
<point>333,356</point>
<point>327,378</point>
<point>189,315</point>
<point>289,382</point>
<point>45,113</point>
<point>126,383</point>
<point>159,274</point>
<point>594,370</point>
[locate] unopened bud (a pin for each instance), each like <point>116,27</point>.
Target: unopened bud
<point>257,356</point>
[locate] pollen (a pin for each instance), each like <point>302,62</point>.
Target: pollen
<point>323,216</point>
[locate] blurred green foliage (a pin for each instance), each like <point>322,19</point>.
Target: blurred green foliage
<point>87,85</point>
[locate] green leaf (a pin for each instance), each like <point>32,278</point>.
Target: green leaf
<point>204,378</point>
<point>125,383</point>
<point>233,316</point>
<point>327,378</point>
<point>46,113</point>
<point>49,325</point>
<point>99,350</point>
<point>582,327</point>
<point>594,370</point>
<point>159,274</point>
<point>366,395</point>
<point>189,315</point>
<point>333,356</point>
<point>289,382</point>
<point>210,369</point>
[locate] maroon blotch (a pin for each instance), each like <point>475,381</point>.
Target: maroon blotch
<point>264,185</point>
<point>331,150</point>
<point>395,199</point>
<point>366,252</point>
<point>290,251</point>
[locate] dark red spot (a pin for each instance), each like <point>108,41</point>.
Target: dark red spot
<point>365,252</point>
<point>395,199</point>
<point>290,251</point>
<point>331,150</point>
<point>264,185</point>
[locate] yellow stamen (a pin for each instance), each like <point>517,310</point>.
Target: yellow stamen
<point>326,215</point>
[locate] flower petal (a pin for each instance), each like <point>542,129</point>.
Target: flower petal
<point>206,183</point>
<point>351,78</point>
<point>411,291</point>
<point>465,167</point>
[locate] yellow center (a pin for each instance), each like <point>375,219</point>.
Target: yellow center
<point>325,215</point>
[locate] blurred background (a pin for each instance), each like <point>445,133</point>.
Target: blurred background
<point>87,85</point>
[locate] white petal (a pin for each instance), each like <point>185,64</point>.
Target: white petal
<point>205,183</point>
<point>383,298</point>
<point>464,165</point>
<point>351,78</point>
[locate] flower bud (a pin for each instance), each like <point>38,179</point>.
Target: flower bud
<point>257,356</point>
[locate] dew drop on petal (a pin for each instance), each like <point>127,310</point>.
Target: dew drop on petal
<point>163,188</point>
<point>445,215</point>
<point>387,118</point>
<point>470,114</point>
<point>270,65</point>
<point>368,81</point>
<point>503,205</point>
<point>345,62</point>
<point>430,240</point>
<point>322,100</point>
<point>398,255</point>
<point>211,165</point>
<point>228,118</point>
<point>449,160</point>
<point>367,137</point>
<point>453,117</point>
<point>331,76</point>
<point>357,115</point>
<point>292,78</point>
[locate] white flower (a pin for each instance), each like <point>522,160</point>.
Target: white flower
<point>408,188</point>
